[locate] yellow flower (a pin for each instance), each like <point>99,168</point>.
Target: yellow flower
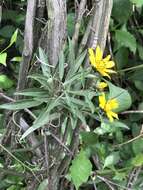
<point>102,85</point>
<point>108,106</point>
<point>103,66</point>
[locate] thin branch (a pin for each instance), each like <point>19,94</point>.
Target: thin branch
<point>81,10</point>
<point>74,143</point>
<point>46,154</point>
<point>100,23</point>
<point>104,26</point>
<point>19,161</point>
<point>129,141</point>
<point>108,182</point>
<point>61,143</point>
<point>133,177</point>
<point>28,44</point>
<point>132,112</point>
<point>96,22</point>
<point>12,100</point>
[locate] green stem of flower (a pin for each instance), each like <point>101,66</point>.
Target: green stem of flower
<point>131,68</point>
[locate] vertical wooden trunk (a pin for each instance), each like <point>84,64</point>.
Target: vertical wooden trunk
<point>56,29</point>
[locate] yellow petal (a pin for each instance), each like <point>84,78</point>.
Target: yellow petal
<point>98,54</point>
<point>111,115</point>
<point>113,103</point>
<point>104,73</point>
<point>110,64</point>
<point>91,56</point>
<point>102,85</point>
<point>107,58</point>
<point>110,71</point>
<point>115,115</point>
<point>102,101</point>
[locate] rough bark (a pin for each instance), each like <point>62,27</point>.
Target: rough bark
<point>28,43</point>
<point>54,32</point>
<point>100,23</point>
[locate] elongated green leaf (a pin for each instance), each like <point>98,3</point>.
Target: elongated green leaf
<point>90,104</point>
<point>76,65</point>
<point>43,80</point>
<point>13,38</point>
<point>80,169</point>
<point>72,80</point>
<point>16,59</point>
<point>44,63</point>
<point>3,57</point>
<point>61,65</point>
<point>80,116</point>
<point>35,92</point>
<point>20,104</point>
<point>121,95</point>
<point>45,118</point>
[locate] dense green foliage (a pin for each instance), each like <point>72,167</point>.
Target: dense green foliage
<point>108,152</point>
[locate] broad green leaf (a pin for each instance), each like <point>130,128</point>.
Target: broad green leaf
<point>116,124</point>
<point>42,120</point>
<point>138,84</point>
<point>13,38</point>
<point>122,10</point>
<point>126,39</point>
<point>80,169</point>
<point>138,3</point>
<point>121,57</point>
<point>20,104</point>
<point>112,159</point>
<point>3,57</point>
<point>43,185</point>
<point>137,75</point>
<point>5,82</point>
<point>89,138</point>
<point>121,95</point>
<point>137,146</point>
<point>138,160</point>
<point>16,16</point>
<point>61,65</point>
<point>7,31</point>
